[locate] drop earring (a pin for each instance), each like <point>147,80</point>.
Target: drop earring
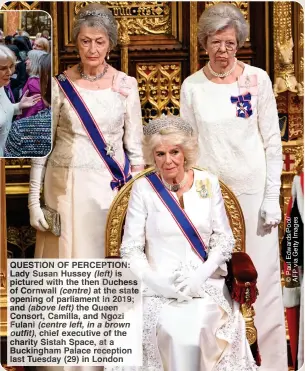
<point>108,55</point>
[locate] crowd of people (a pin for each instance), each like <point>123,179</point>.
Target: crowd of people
<point>25,77</point>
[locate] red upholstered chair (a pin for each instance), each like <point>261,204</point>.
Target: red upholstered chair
<point>242,275</point>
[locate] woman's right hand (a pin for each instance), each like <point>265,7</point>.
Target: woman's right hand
<point>164,286</point>
<point>27,102</point>
<point>37,219</point>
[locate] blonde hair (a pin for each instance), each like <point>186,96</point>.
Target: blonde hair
<point>7,55</point>
<point>174,137</point>
<point>44,43</point>
<point>219,17</point>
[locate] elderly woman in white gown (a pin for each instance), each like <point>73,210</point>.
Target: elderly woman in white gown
<point>8,109</point>
<point>178,239</point>
<point>232,107</point>
<point>97,134</point>
<point>97,127</point>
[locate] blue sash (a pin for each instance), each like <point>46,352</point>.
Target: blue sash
<point>183,221</point>
<point>120,176</point>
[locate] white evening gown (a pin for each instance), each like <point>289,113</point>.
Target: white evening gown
<point>7,111</point>
<point>234,148</point>
<point>208,332</point>
<point>77,183</point>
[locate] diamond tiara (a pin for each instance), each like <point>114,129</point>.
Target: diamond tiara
<point>94,13</point>
<point>165,122</point>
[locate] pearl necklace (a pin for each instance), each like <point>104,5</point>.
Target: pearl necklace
<point>90,78</point>
<point>225,74</point>
<point>176,187</point>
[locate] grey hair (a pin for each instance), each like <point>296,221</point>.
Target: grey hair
<point>7,54</point>
<point>174,137</point>
<point>34,56</point>
<point>97,16</point>
<point>217,18</point>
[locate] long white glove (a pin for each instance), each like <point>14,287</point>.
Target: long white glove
<point>164,285</point>
<point>191,286</point>
<point>37,219</point>
<point>270,209</point>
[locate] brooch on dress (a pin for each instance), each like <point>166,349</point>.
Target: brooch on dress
<point>110,150</point>
<point>61,77</point>
<point>203,187</point>
<point>243,105</point>
<point>248,84</point>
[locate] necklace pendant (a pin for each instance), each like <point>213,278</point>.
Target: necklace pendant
<point>110,151</point>
<point>175,187</point>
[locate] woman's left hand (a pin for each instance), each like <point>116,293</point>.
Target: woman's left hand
<point>27,102</point>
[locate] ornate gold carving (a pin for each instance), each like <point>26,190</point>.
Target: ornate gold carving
<point>296,149</point>
<point>235,217</point>
<point>298,36</point>
<point>142,17</point>
<point>2,281</point>
<point>193,37</point>
<point>124,41</point>
<point>21,5</point>
<point>281,28</point>
<point>159,88</point>
<point>22,237</point>
<point>20,162</point>
<point>285,79</point>
<point>248,314</point>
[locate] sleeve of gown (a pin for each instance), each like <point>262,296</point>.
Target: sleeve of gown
<point>186,107</point>
<point>268,119</point>
<point>17,110</point>
<point>133,126</point>
<point>221,241</point>
<point>133,242</point>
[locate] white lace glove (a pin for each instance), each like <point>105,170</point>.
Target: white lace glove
<point>37,219</point>
<point>270,209</point>
<point>191,286</point>
<point>164,286</point>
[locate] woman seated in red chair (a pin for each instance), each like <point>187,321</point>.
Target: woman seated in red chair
<point>178,240</point>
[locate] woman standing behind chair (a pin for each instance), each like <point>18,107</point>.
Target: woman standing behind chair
<point>232,107</point>
<point>8,109</point>
<point>96,139</point>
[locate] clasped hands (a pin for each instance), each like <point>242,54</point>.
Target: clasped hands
<point>180,285</point>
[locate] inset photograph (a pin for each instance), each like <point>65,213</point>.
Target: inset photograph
<point>25,84</point>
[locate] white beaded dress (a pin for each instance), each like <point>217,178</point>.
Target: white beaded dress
<point>77,182</point>
<point>206,333</point>
<point>234,148</point>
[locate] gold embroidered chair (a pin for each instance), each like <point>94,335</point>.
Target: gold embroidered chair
<point>242,276</point>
